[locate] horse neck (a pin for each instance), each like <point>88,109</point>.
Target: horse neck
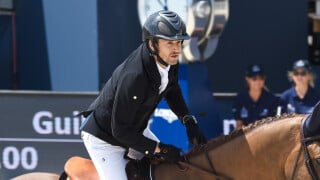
<point>266,144</point>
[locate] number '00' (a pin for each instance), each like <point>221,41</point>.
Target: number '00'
<point>12,158</point>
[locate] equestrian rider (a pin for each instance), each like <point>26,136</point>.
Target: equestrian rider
<point>117,120</point>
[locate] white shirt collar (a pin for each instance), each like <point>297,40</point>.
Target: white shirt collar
<point>164,77</point>
<point>163,70</point>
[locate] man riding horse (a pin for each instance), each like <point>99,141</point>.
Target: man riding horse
<point>117,120</point>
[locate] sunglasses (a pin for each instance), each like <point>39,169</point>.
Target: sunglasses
<point>301,73</point>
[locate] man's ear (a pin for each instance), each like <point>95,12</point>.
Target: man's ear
<point>151,45</point>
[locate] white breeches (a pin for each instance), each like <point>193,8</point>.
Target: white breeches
<point>109,159</point>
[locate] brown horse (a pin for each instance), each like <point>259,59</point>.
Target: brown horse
<point>272,148</point>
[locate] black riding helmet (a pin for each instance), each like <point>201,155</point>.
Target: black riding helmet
<point>163,25</point>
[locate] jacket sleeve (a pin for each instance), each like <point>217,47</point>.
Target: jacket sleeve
<point>274,105</point>
<point>236,108</point>
<point>126,128</point>
<point>176,101</point>
<point>283,102</point>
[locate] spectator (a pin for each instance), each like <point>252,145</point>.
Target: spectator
<point>256,102</point>
<point>302,96</point>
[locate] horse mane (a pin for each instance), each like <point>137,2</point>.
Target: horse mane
<point>216,142</point>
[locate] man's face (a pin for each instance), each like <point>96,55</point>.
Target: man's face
<point>169,51</point>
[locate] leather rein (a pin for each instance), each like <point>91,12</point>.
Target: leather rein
<point>305,141</point>
<point>213,172</point>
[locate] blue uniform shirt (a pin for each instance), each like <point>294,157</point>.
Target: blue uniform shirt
<point>290,101</point>
<point>245,109</point>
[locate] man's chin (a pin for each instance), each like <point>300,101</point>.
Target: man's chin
<point>174,62</point>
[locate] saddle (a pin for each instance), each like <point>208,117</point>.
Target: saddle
<point>78,168</point>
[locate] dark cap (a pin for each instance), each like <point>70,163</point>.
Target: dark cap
<point>254,70</point>
<point>301,63</point>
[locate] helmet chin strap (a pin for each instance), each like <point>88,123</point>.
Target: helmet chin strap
<point>161,61</point>
<point>155,52</point>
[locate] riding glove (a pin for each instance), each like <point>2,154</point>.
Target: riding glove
<point>168,153</point>
<point>194,133</point>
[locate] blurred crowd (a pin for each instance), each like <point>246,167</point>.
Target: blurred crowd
<point>256,101</point>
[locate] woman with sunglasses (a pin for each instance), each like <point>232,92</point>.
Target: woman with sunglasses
<point>302,96</point>
<point>256,102</point>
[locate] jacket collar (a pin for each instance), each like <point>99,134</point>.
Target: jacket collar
<point>150,67</point>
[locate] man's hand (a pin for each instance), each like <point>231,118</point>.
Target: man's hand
<point>194,133</point>
<point>168,153</point>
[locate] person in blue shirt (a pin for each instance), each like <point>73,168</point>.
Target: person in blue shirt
<point>255,102</point>
<point>302,96</point>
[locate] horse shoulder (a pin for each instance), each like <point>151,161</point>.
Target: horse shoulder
<point>78,168</point>
<point>37,176</point>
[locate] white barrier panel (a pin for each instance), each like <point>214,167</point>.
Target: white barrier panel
<point>39,131</point>
<point>228,126</point>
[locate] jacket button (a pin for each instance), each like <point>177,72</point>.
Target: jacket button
<point>146,152</point>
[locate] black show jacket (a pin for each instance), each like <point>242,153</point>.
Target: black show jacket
<point>125,104</point>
